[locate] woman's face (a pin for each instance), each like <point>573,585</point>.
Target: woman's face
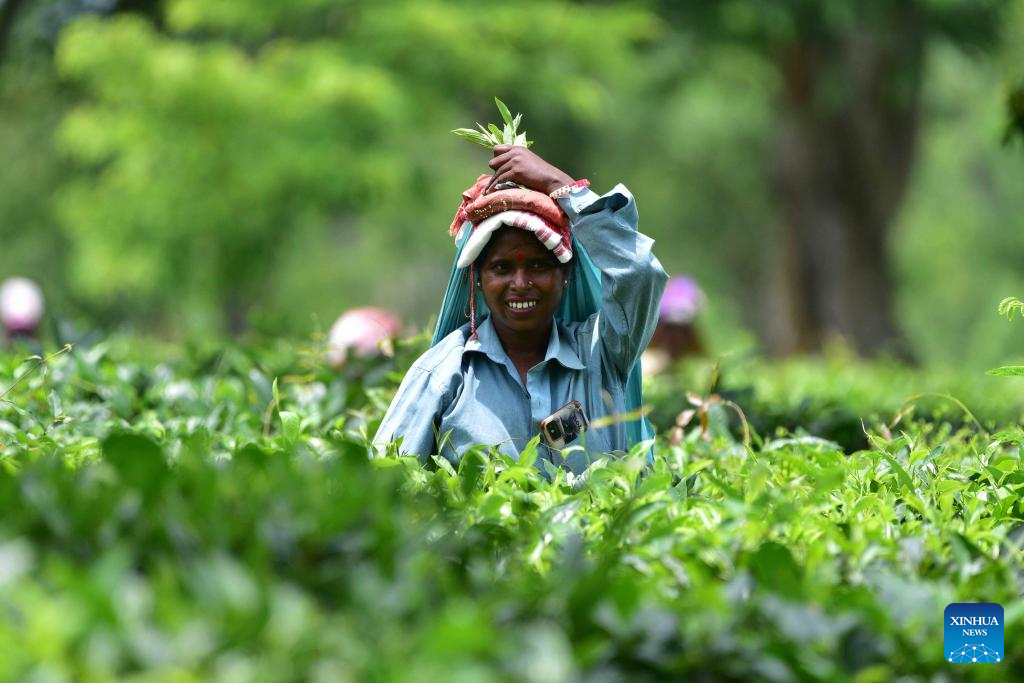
<point>521,279</point>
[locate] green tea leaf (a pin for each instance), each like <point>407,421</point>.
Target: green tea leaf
<point>528,456</point>
<point>506,115</point>
<point>1010,304</point>
<point>474,136</point>
<point>290,426</point>
<point>773,567</point>
<point>492,135</point>
<point>1007,371</point>
<point>472,469</point>
<point>901,474</point>
<point>56,408</point>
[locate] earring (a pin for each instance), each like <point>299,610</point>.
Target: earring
<point>565,283</point>
<point>477,283</point>
<point>530,283</point>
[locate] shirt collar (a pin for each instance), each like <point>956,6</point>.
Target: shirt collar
<point>559,348</point>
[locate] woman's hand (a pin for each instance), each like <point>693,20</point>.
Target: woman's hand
<point>520,165</point>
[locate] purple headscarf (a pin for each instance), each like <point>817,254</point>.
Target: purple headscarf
<point>681,301</point>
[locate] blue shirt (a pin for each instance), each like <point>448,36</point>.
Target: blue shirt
<point>468,392</point>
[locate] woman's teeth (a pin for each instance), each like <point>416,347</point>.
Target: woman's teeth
<point>521,305</point>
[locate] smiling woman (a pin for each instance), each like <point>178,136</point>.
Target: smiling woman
<point>553,296</point>
<point>522,283</point>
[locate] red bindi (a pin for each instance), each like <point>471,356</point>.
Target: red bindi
<point>519,256</point>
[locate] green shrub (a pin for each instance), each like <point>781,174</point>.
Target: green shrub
<point>178,517</point>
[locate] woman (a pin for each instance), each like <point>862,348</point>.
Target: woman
<point>548,303</point>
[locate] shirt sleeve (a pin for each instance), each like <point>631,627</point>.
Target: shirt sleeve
<point>632,279</point>
<point>413,415</point>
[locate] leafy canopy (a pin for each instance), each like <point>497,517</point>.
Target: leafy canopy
<point>209,147</point>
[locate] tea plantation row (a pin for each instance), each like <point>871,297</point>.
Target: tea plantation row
<point>174,517</point>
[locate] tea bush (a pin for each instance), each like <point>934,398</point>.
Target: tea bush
<point>213,514</point>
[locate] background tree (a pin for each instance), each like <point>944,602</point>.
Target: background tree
<point>267,162</point>
<point>850,76</point>
<point>33,102</point>
<point>1015,109</point>
<point>247,127</point>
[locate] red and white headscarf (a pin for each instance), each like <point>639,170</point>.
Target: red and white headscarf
<point>482,232</point>
<point>517,207</point>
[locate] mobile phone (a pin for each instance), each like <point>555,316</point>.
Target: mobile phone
<point>564,425</point>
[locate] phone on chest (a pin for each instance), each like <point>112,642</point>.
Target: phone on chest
<point>564,425</point>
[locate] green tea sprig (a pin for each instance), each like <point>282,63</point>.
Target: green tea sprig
<point>1007,307</point>
<point>1010,304</point>
<point>492,135</point>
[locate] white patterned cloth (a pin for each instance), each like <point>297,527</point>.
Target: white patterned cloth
<point>548,235</point>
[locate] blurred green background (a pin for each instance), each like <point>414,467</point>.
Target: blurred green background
<point>840,170</point>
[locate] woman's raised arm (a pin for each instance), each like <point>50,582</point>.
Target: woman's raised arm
<point>632,279</point>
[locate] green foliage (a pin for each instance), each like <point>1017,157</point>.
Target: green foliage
<point>770,25</point>
<point>1015,114</point>
<point>1007,371</point>
<point>285,137</point>
<point>171,529</point>
<point>834,397</point>
<point>284,160</point>
<point>32,104</point>
<point>491,135</point>
<point>953,226</point>
<point>264,131</point>
<point>1007,307</point>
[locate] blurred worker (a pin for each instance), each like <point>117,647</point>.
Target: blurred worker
<point>21,307</point>
<point>362,332</point>
<point>676,335</point>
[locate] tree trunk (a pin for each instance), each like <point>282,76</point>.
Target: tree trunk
<point>849,120</point>
<point>8,16</point>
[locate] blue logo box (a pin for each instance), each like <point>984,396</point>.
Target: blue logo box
<point>973,633</point>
